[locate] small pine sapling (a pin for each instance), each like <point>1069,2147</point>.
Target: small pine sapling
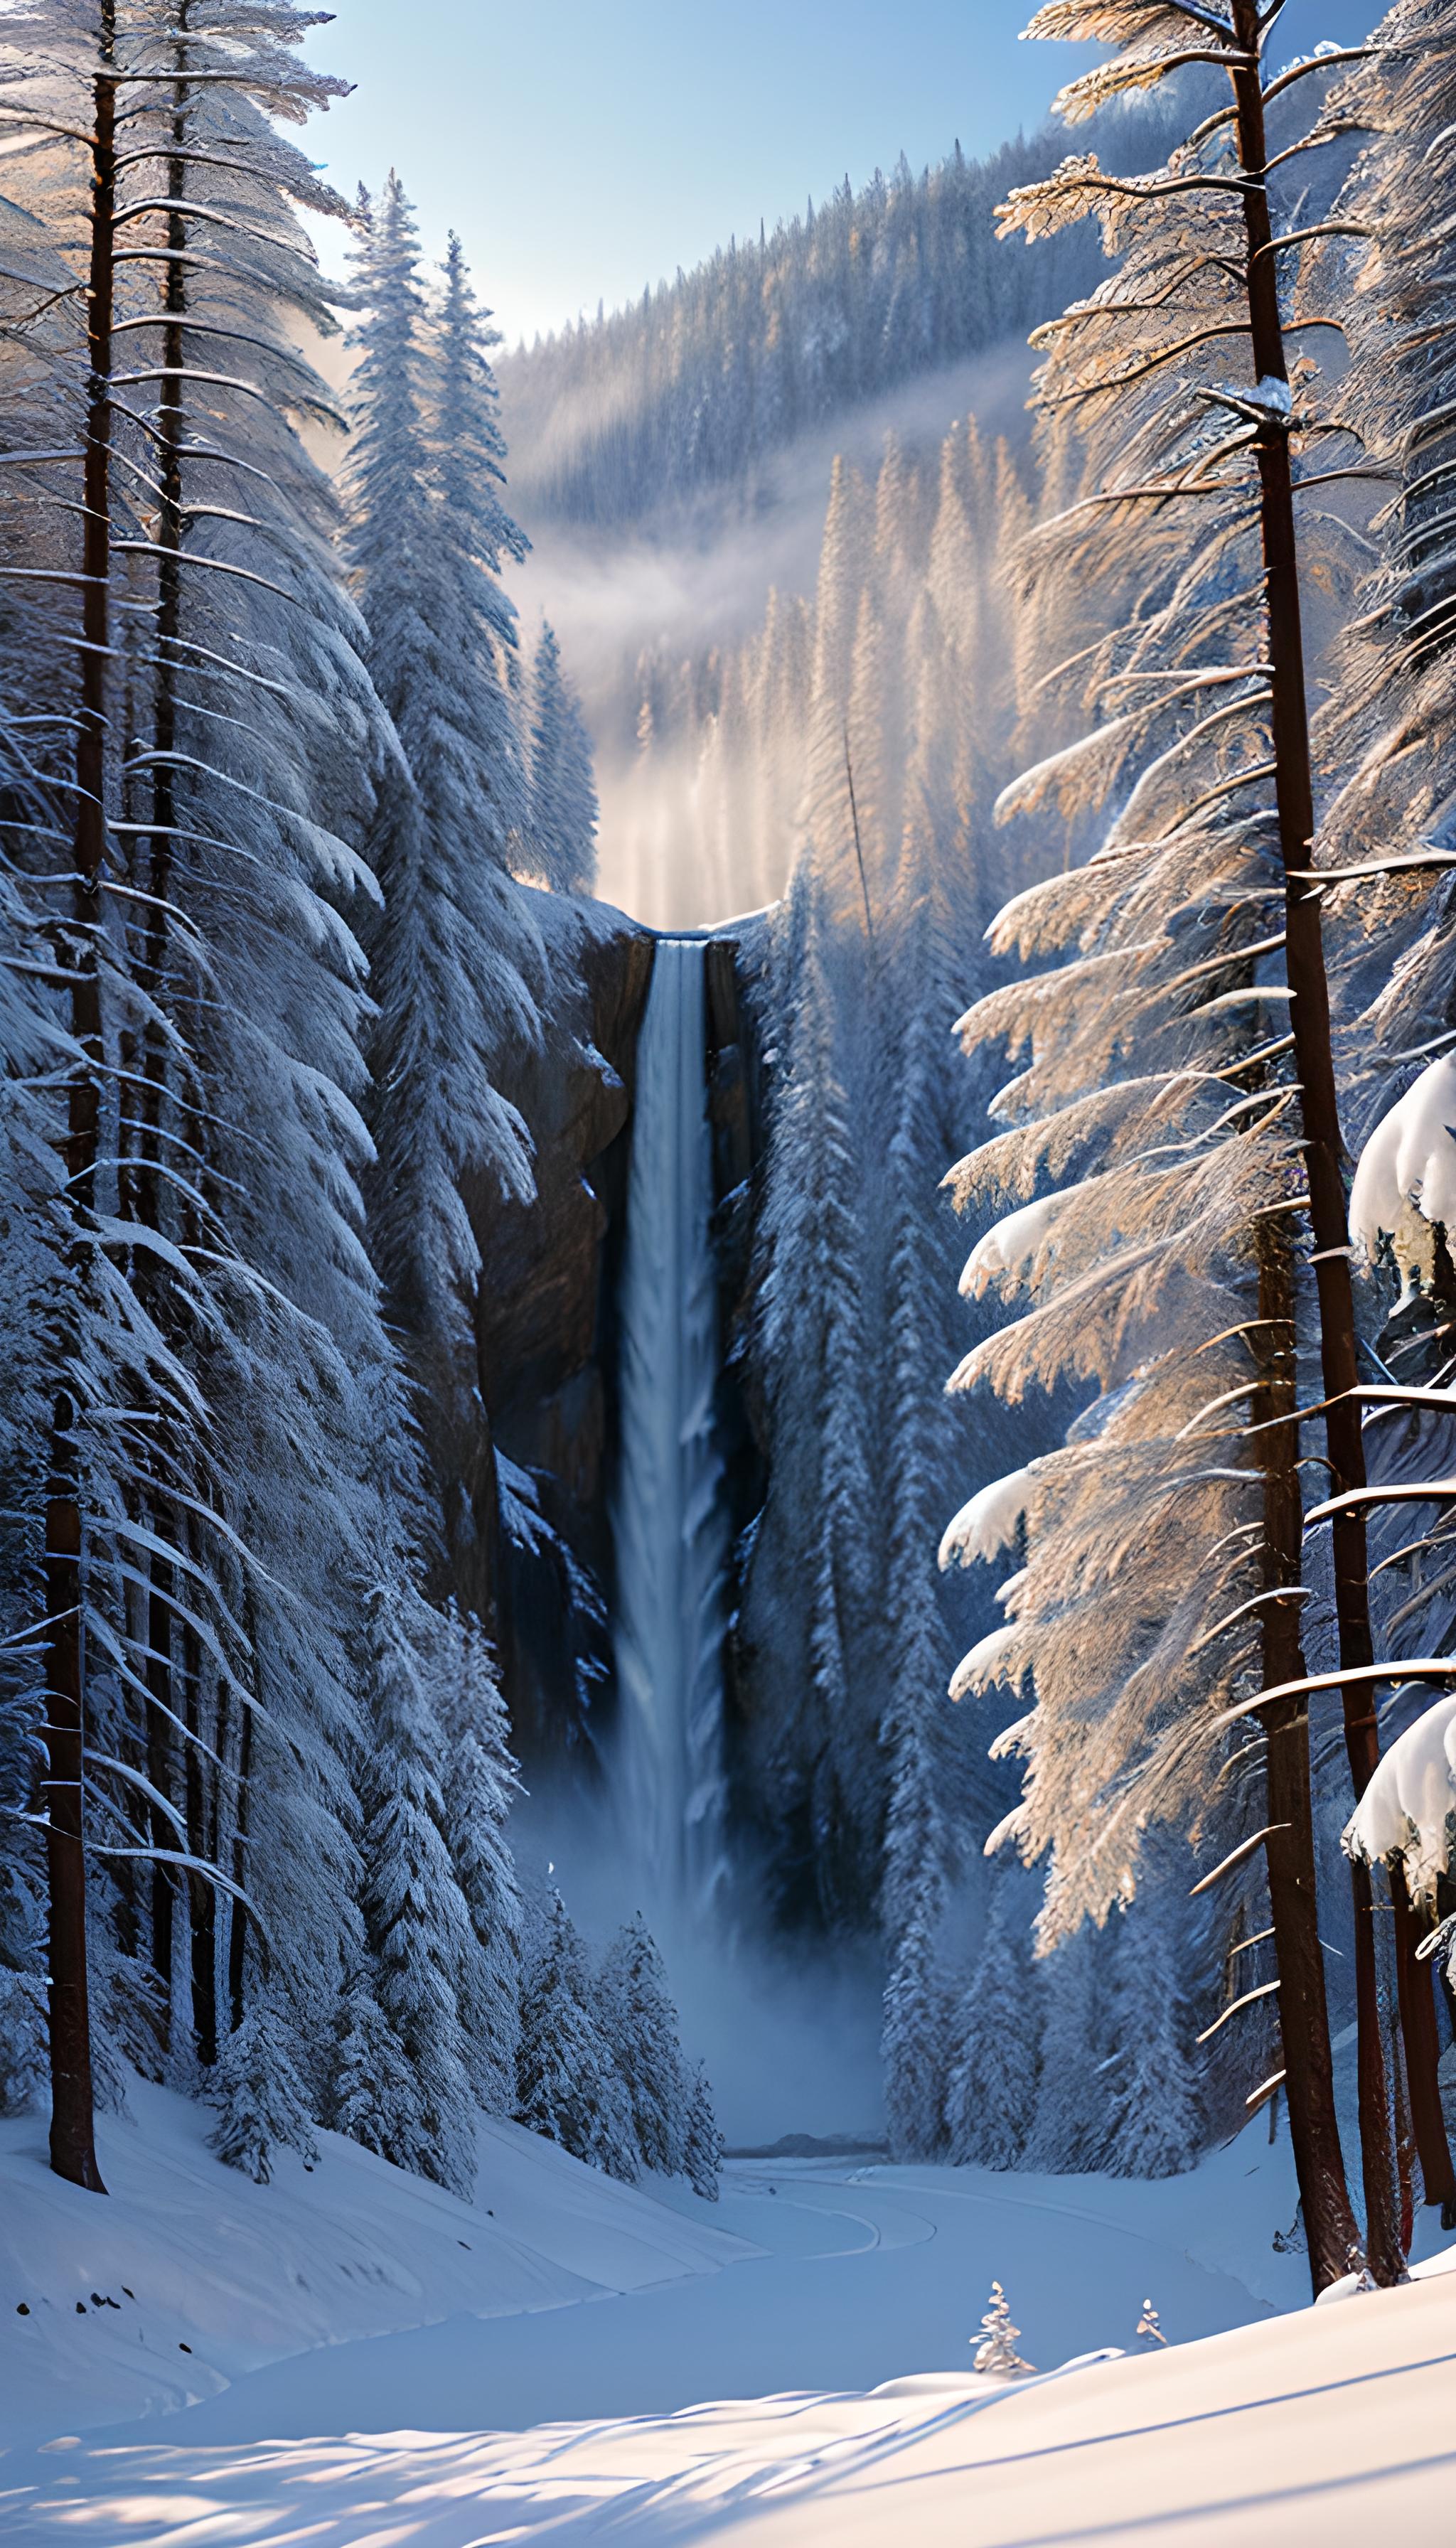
<point>996,2353</point>
<point>1149,2330</point>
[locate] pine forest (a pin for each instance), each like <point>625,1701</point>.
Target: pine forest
<point>726,1299</point>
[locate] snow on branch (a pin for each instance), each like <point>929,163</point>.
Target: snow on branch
<point>1121,21</point>
<point>1408,1812</point>
<point>1082,188</point>
<point>988,1523</point>
<point>1408,1160</point>
<point>989,1662</point>
<point>1079,769</point>
<point>1009,1244</point>
<point>1144,65</point>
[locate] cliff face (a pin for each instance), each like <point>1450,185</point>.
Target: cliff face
<point>535,1560</point>
<point>527,1479</point>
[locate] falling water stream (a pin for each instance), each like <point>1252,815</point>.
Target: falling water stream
<point>670,1520</point>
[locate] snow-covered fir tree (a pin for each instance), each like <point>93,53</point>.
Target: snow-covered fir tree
<point>1157,2116</point>
<point>812,1329</point>
<point>1071,2127</point>
<point>262,2104</point>
<point>561,819</point>
<point>702,2156</point>
<point>642,2030</point>
<point>991,2098</point>
<point>455,960</point>
<point>568,2086</point>
<point>418,1924</point>
<point>480,1783</point>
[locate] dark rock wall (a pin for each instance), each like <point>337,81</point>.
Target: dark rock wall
<point>736,1111</point>
<point>546,1337</point>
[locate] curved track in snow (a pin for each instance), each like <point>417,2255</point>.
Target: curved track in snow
<point>865,2275</point>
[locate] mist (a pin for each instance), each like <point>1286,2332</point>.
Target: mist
<point>695,583</point>
<point>789,2034</point>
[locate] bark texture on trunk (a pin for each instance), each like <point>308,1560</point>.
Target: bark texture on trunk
<point>163,1710</point>
<point>1330,2229</point>
<point>1322,1147</point>
<point>1421,2034</point>
<point>72,2105</point>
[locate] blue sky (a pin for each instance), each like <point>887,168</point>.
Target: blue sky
<point>584,148</point>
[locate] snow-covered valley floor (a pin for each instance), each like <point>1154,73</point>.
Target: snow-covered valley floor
<point>537,2362</point>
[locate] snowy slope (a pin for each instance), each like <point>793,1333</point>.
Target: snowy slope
<point>856,2276</point>
<point>357,2303</point>
<point>202,2276</point>
<point>1328,2426</point>
<point>419,2310</point>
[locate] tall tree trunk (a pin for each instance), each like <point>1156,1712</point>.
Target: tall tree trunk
<point>1421,2035</point>
<point>238,1911</point>
<point>202,1899</point>
<point>1314,1064</point>
<point>1304,2015</point>
<point>72,2106</point>
<point>162,1710</point>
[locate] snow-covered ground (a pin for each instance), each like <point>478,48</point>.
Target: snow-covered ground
<point>187,2276</point>
<point>540,2360</point>
<point>1330,2427</point>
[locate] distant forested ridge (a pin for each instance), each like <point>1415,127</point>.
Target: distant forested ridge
<point>696,384</point>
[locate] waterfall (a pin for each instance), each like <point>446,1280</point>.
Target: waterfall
<point>671,1521</point>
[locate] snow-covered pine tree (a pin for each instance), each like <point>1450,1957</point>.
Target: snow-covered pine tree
<point>31,1238</point>
<point>942,1799</point>
<point>369,2082</point>
<point>259,713</point>
<point>702,2156</point>
<point>63,70</point>
<point>137,1551</point>
<point>1388,720</point>
<point>915,2035</point>
<point>481,538</point>
<point>812,1344</point>
<point>1203,859</point>
<point>455,960</point>
<point>480,1783</point>
<point>871,729</point>
<point>262,2104</point>
<point>996,2353</point>
<point>991,2095</point>
<point>640,2027</point>
<point>1153,2079</point>
<point>417,1921</point>
<point>1234,159</point>
<point>566,2084</point>
<point>1072,2129</point>
<point>917,2042</point>
<point>561,822</point>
